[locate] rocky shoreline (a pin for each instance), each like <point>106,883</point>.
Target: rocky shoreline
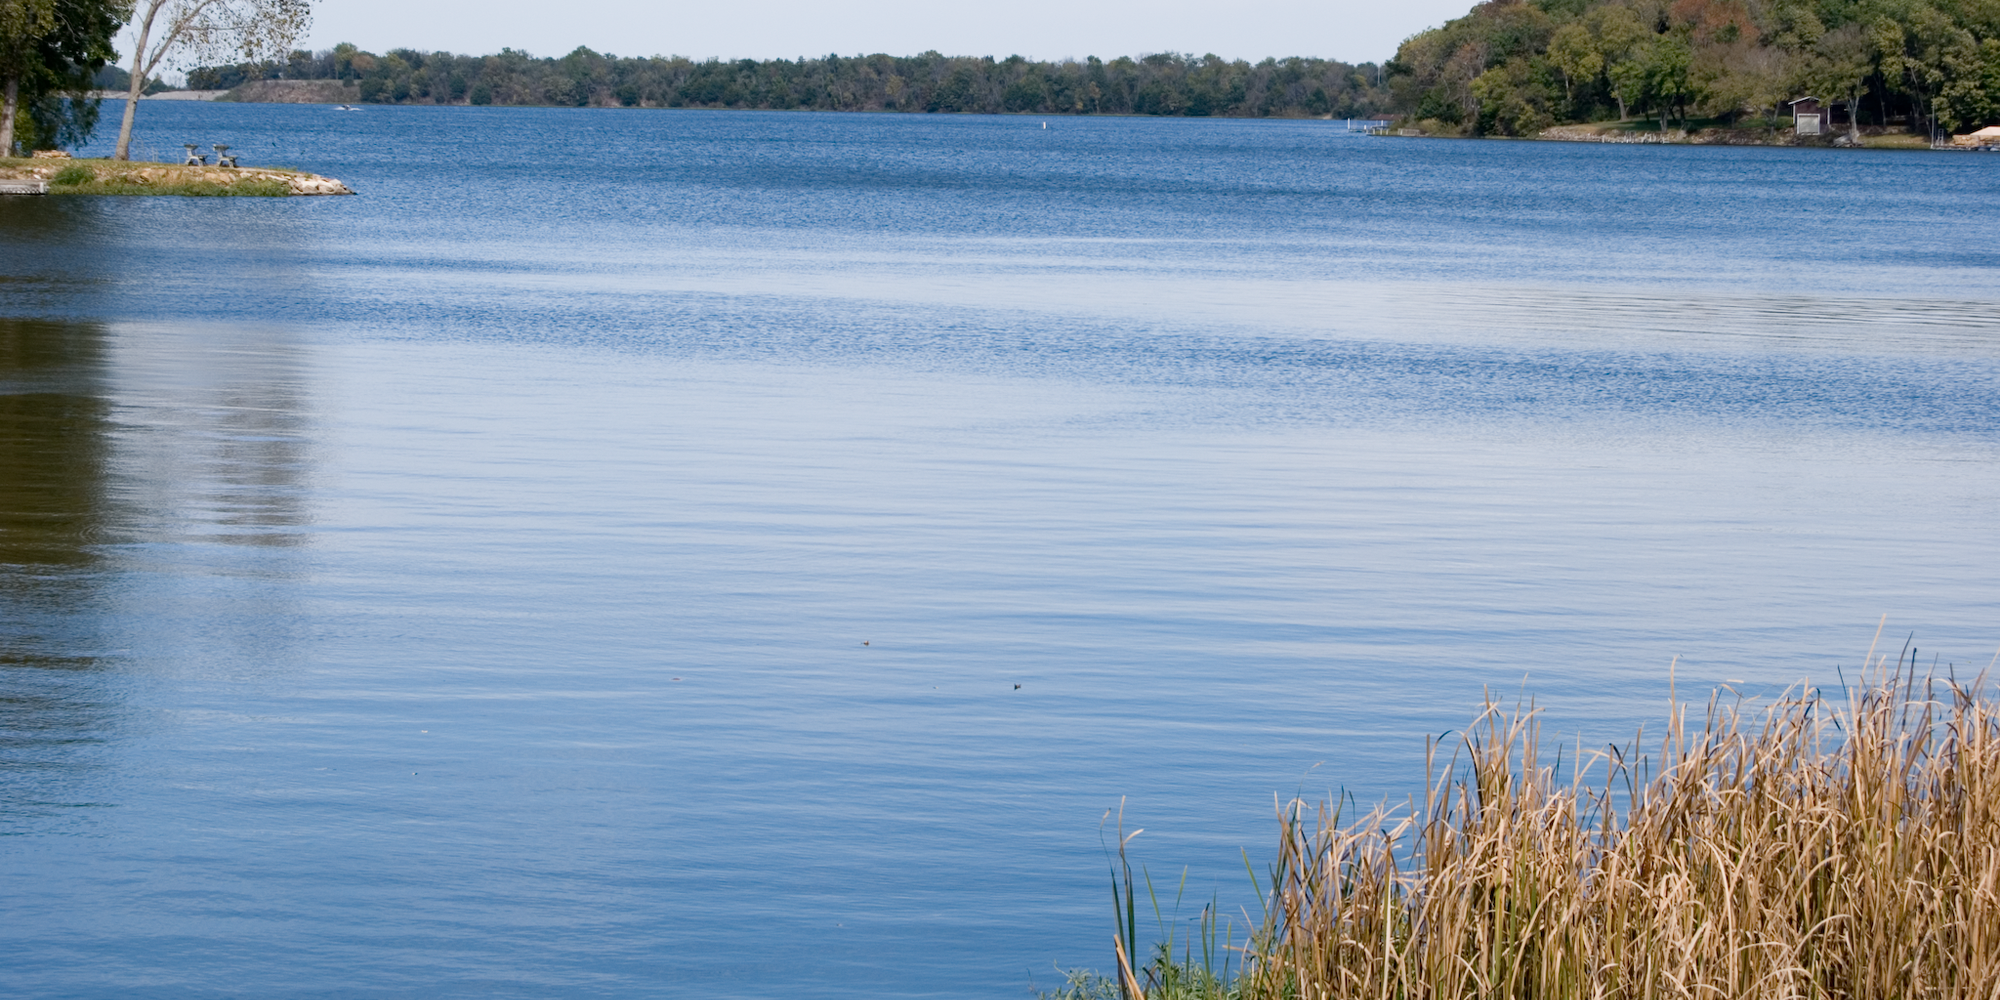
<point>1871,138</point>
<point>1626,133</point>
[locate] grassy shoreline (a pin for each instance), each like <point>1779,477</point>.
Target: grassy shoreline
<point>117,177</point>
<point>1692,132</point>
<point>1823,846</point>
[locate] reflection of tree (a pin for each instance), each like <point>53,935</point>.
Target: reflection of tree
<point>254,468</point>
<point>212,445</point>
<point>54,453</point>
<point>53,447</point>
<point>126,456</point>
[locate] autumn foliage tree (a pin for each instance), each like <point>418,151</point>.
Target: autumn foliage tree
<point>190,32</point>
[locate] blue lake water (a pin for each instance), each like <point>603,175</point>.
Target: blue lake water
<point>745,554</point>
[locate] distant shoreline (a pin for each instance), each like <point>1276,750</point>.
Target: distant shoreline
<point>164,95</point>
<point>1638,134</point>
<point>1162,84</point>
<point>347,92</point>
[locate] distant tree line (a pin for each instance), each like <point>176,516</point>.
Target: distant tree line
<point>116,78</point>
<point>1161,84</point>
<point>1508,67</point>
<point>1514,67</point>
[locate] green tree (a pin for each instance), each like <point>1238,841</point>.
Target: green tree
<point>1842,61</point>
<point>1028,93</point>
<point>1517,97</point>
<point>1935,55</point>
<point>1972,99</point>
<point>1743,76</point>
<point>1575,54</point>
<point>50,52</point>
<point>23,25</point>
<point>958,92</point>
<point>1617,34</point>
<point>1660,75</point>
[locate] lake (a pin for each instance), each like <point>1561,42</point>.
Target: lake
<point>652,553</point>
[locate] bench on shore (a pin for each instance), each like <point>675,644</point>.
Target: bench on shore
<point>222,157</point>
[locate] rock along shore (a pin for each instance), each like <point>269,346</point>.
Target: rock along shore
<point>1873,138</point>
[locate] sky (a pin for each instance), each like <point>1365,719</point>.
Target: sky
<point>1351,30</point>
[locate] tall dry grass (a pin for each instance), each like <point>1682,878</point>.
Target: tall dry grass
<point>1820,847</point>
<point>1814,849</point>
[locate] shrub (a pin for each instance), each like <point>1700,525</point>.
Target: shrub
<point>74,175</point>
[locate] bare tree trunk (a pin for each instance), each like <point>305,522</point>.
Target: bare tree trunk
<point>1918,106</point>
<point>138,83</point>
<point>10,105</point>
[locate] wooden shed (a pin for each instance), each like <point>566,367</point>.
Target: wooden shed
<point>1808,117</point>
<point>1811,116</point>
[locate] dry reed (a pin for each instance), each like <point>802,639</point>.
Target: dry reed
<point>1817,848</point>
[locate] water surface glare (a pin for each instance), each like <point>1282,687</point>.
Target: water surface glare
<point>647,553</point>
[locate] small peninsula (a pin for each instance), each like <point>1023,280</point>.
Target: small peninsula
<point>65,176</point>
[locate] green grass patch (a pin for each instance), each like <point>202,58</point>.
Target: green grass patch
<point>199,188</point>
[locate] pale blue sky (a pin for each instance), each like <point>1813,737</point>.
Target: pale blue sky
<point>1354,30</point>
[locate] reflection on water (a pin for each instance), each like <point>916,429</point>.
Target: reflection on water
<point>54,504</point>
<point>212,435</point>
<point>124,454</point>
<point>64,261</point>
<point>54,426</point>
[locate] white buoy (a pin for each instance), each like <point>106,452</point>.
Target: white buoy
<point>1045,124</point>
